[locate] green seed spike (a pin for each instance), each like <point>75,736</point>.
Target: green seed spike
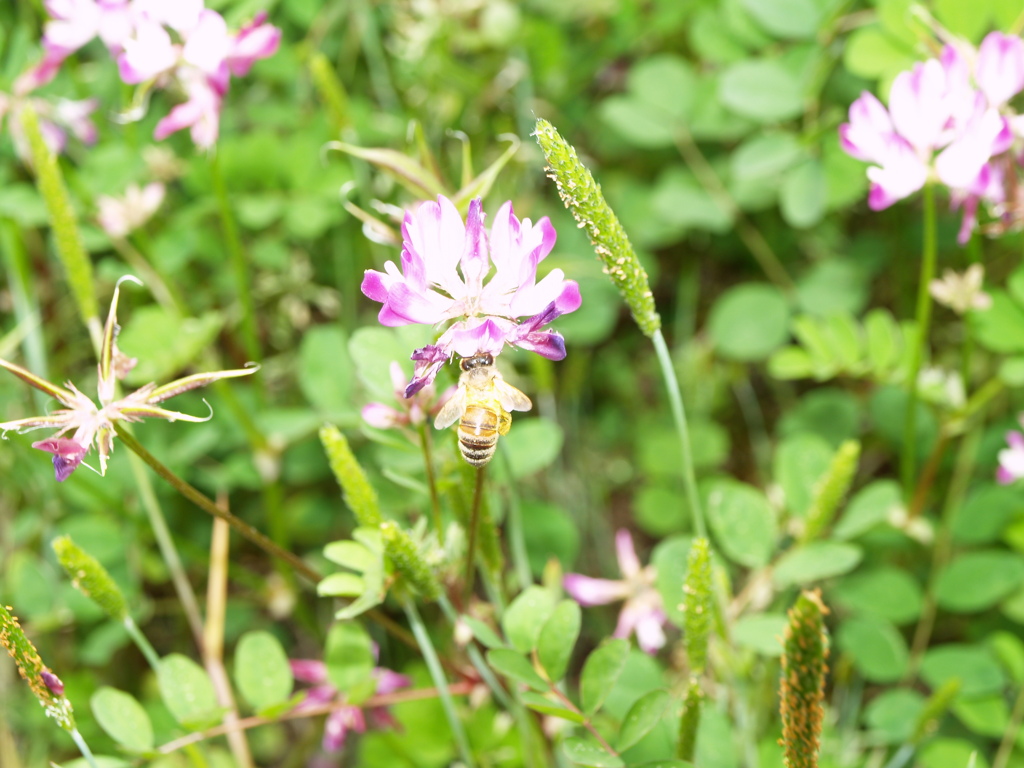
<point>356,489</point>
<point>698,608</point>
<point>802,690</point>
<point>582,196</point>
<point>408,562</point>
<point>689,722</point>
<point>46,686</point>
<point>67,235</point>
<point>90,578</point>
<point>831,489</point>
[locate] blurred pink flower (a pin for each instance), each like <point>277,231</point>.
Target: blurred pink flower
<point>345,717</point>
<point>1011,459</point>
<point>57,117</point>
<point>413,410</point>
<point>120,215</point>
<point>643,612</point>
<point>94,425</point>
<point>445,263</point>
<point>1000,68</point>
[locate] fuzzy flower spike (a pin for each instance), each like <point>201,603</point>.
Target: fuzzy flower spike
<point>484,281</point>
<point>95,425</point>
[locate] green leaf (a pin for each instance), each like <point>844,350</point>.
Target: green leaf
<point>761,89</point>
<point>164,343</point>
<point>325,370</point>
<point>557,639</point>
<point>892,716</point>
<point>765,156</point>
<point>526,616</point>
<point>974,666</point>
<point>978,580</point>
<point>600,673</point>
<point>1000,328</point>
<point>799,463</point>
<point>642,717</point>
<point>742,521</point>
<point>886,591</point>
<point>350,554</point>
<point>816,561</point>
<point>749,322</point>
<point>348,654</point>
<point>871,506</point>
<point>341,585</point>
<point>651,78</point>
<point>680,200</point>
<point>585,750</point>
<point>642,125</point>
<point>483,633</point>
<point>516,666</point>
<point>669,559</point>
<point>532,445</point>
<point>803,195</point>
<point>761,632</point>
<point>985,716</point>
<point>786,19</point>
<point>187,691</point>
<point>544,705</point>
<point>262,672</point>
<point>951,753</point>
<point>986,513</point>
<point>871,53</point>
<point>878,650</point>
<point>123,719</point>
<point>1009,649</point>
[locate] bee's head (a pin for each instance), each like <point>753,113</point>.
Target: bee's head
<point>476,361</point>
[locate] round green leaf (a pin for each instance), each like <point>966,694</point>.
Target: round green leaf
<point>761,632</point>
<point>893,715</point>
<point>532,445</point>
<point>886,591</point>
<point>187,691</point>
<point>262,672</point>
<point>987,511</point>
<point>878,650</point>
<point>651,78</point>
<point>641,124</point>
<point>761,89</point>
<point>600,673</point>
<point>642,717</point>
<point>872,505</point>
<point>978,580</point>
<point>348,654</point>
<point>585,750</point>
<point>803,195</point>
<point>800,461</point>
<point>743,522</point>
<point>1000,328</point>
<point>765,156</point>
<point>749,322</point>
<point>123,718</point>
<point>816,561</point>
<point>526,616</point>
<point>974,666</point>
<point>786,19</point>
<point>514,665</point>
<point>557,639</point>
<point>871,53</point>
<point>325,370</point>
<point>951,753</point>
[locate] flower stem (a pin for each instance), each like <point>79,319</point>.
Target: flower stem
<point>428,464</point>
<point>516,535</point>
<point>207,505</point>
<point>83,748</point>
<point>440,682</point>
<point>668,372</point>
<point>1002,757</point>
<point>238,261</point>
<point>142,643</point>
<point>474,523</point>
<point>924,316</point>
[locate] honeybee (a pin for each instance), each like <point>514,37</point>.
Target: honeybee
<point>481,405</point>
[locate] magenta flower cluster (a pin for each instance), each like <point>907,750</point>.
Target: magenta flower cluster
<point>948,120</point>
<point>446,275</point>
<point>177,44</point>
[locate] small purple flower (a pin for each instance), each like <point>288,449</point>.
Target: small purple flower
<point>643,611</point>
<point>483,281</point>
<point>413,410</point>
<point>94,425</point>
<point>1011,459</point>
<point>345,717</point>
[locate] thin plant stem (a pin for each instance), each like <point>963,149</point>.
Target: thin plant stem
<point>943,550</point>
<point>474,656</point>
<point>924,315</point>
<point>165,543</point>
<point>381,700</point>
<point>83,748</point>
<point>428,464</point>
<point>213,639</point>
<point>924,484</point>
<point>142,643</point>
<point>668,372</point>
<point>474,523</point>
<point>207,505</point>
<point>516,534</point>
<point>749,234</point>
<point>440,683</point>
<point>236,253</point>
<point>1011,733</point>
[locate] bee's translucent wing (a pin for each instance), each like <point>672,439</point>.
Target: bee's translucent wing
<point>452,410</point>
<point>511,399</point>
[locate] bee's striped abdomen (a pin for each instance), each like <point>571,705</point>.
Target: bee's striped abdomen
<point>478,434</point>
